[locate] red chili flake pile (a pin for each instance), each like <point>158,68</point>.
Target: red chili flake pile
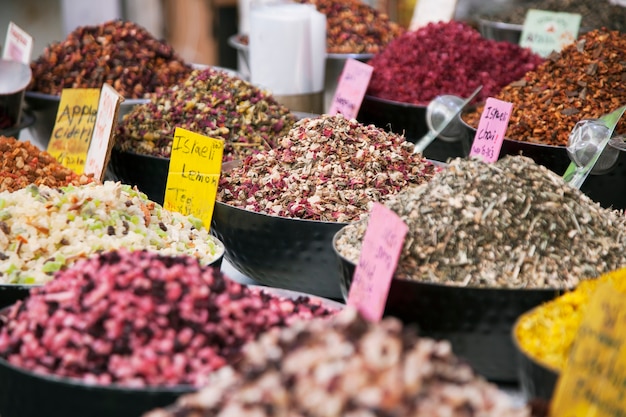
<point>446,58</point>
<point>117,52</point>
<point>22,164</point>
<point>346,366</point>
<point>210,102</point>
<point>141,319</point>
<point>327,168</point>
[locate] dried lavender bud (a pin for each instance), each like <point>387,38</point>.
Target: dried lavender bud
<point>580,82</point>
<point>212,103</point>
<point>346,366</point>
<point>119,53</point>
<point>446,58</point>
<point>511,224</point>
<point>141,319</point>
<point>327,168</point>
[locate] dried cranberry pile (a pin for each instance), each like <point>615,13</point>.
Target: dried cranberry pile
<point>141,319</point>
<point>446,58</point>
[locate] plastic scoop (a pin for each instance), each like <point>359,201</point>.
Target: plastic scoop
<point>442,119</point>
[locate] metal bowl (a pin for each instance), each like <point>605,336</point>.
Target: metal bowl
<point>27,119</point>
<point>282,252</point>
<point>500,31</point>
<point>477,321</point>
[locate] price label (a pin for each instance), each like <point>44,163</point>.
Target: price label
<point>432,11</point>
<point>544,31</point>
<point>100,147</point>
<point>194,173</point>
<point>491,129</point>
<point>73,127</point>
<point>351,88</point>
<point>18,45</point>
<point>380,252</point>
<point>592,383</point>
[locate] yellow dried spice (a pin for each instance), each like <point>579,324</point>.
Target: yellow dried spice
<point>547,332</point>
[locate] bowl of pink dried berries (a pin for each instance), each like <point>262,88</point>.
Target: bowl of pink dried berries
<point>124,332</point>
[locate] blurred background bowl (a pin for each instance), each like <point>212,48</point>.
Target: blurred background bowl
<point>500,31</point>
<point>477,321</point>
<point>27,119</point>
<point>281,252</point>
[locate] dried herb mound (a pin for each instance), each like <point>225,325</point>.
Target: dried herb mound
<point>583,81</point>
<point>511,224</point>
<point>212,103</point>
<point>446,58</point>
<point>354,27</point>
<point>345,366</point>
<point>117,52</point>
<point>327,168</point>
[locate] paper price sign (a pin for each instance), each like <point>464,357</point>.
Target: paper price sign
<point>491,129</point>
<point>432,11</point>
<point>594,379</point>
<point>18,45</point>
<point>544,31</point>
<point>73,127</point>
<point>194,173</point>
<point>351,88</point>
<point>380,252</point>
<point>100,147</point>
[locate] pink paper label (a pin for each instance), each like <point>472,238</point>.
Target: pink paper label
<point>380,252</point>
<point>18,45</point>
<point>351,88</point>
<point>491,129</point>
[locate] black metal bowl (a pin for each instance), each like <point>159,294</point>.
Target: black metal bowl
<point>148,173</point>
<point>282,252</point>
<point>535,379</point>
<point>27,119</point>
<point>410,120</point>
<point>477,321</point>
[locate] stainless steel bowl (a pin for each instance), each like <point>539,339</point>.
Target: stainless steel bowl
<point>500,31</point>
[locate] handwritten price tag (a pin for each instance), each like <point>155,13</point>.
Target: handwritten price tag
<point>195,166</point>
<point>380,252</point>
<point>73,128</point>
<point>18,45</point>
<point>100,147</point>
<point>592,383</point>
<point>351,88</point>
<point>491,129</point>
<point>545,31</point>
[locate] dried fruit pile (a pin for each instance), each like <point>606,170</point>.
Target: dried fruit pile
<point>141,319</point>
<point>345,366</point>
<point>327,168</point>
<point>212,103</point>
<point>446,58</point>
<point>117,52</point>
<point>510,224</point>
<point>583,81</point>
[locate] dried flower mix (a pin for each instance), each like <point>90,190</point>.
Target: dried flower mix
<point>210,102</point>
<point>22,163</point>
<point>446,58</point>
<point>345,366</point>
<point>547,332</point>
<point>116,52</point>
<point>583,81</point>
<point>327,168</point>
<point>43,229</point>
<point>511,224</point>
<point>141,319</point>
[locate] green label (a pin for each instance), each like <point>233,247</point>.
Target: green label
<point>545,32</point>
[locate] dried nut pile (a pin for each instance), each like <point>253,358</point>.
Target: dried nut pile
<point>22,163</point>
<point>583,81</point>
<point>43,230</point>
<point>511,224</point>
<point>354,27</point>
<point>212,103</point>
<point>446,58</point>
<point>345,366</point>
<point>327,168</point>
<point>119,53</point>
<point>141,319</point>
<point>608,15</point>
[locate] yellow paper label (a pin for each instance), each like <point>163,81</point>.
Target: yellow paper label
<point>73,127</point>
<point>194,173</point>
<point>593,382</point>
